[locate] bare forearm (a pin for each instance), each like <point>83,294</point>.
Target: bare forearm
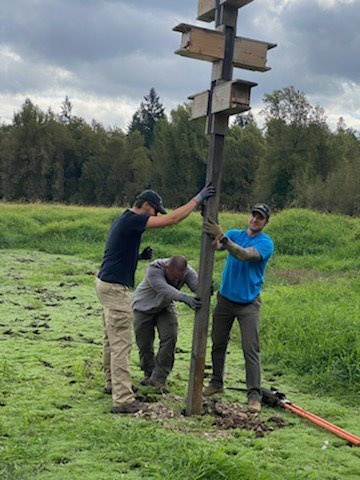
<point>173,217</point>
<point>182,212</point>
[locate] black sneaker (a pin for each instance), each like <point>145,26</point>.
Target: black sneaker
<point>130,407</point>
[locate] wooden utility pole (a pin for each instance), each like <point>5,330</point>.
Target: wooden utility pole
<point>224,98</point>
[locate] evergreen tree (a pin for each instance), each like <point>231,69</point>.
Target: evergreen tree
<point>245,120</point>
<point>297,146</point>
<point>66,108</point>
<point>138,170</point>
<point>244,148</point>
<point>179,154</point>
<point>30,162</point>
<point>145,118</point>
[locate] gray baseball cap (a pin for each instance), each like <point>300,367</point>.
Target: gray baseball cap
<point>261,208</point>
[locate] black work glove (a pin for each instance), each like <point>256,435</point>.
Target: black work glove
<point>192,302</point>
<point>146,254</point>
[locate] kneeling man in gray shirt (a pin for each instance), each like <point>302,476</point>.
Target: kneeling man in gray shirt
<point>153,306</point>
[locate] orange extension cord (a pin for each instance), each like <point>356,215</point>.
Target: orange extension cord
<point>349,437</point>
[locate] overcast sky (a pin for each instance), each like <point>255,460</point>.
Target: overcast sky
<point>105,55</point>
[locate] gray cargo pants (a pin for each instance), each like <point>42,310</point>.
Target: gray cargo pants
<point>165,321</point>
<point>248,316</point>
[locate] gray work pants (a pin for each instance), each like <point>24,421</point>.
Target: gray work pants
<point>165,322</point>
<point>248,316</point>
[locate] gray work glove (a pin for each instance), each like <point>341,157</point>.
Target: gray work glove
<point>146,254</point>
<point>208,191</point>
<point>192,302</point>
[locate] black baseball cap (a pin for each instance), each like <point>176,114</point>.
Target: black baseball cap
<point>154,198</point>
<point>261,208</point>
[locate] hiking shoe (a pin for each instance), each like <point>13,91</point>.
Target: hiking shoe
<point>130,407</point>
<point>254,406</point>
<point>211,390</point>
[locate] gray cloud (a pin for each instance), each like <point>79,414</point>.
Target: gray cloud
<point>120,49</point>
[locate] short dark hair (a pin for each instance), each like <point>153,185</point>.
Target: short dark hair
<point>139,202</point>
<point>179,262</point>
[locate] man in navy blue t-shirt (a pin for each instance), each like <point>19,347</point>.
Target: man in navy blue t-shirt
<point>239,297</point>
<point>116,277</point>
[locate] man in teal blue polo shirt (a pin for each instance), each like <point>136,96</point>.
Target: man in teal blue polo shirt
<point>239,297</point>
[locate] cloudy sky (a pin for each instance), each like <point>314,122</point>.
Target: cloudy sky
<point>105,55</point>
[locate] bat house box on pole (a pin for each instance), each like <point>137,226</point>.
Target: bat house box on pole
<point>225,97</point>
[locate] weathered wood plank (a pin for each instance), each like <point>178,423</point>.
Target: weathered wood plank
<point>227,97</point>
<point>209,45</point>
<point>201,43</point>
<point>232,97</point>
<point>199,106</point>
<point>251,54</point>
<point>206,8</point>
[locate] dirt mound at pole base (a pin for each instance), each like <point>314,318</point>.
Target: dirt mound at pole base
<point>227,417</point>
<point>230,416</point>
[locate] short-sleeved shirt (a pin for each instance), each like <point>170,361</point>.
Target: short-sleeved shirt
<point>122,248</point>
<point>242,280</point>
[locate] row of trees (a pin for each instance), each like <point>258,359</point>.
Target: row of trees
<point>295,160</point>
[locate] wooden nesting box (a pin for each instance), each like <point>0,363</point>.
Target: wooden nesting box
<point>209,45</point>
<point>228,97</point>
<point>206,8</point>
<point>251,54</point>
<point>232,97</point>
<point>200,43</point>
<point>199,104</point>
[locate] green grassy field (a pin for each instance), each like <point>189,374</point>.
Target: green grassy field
<point>54,420</point>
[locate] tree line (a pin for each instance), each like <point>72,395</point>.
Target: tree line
<point>295,160</point>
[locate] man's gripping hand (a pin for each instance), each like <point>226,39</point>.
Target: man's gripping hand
<point>213,229</point>
<point>146,254</point>
<point>192,302</point>
<point>208,191</point>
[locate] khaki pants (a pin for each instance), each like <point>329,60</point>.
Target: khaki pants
<point>117,322</point>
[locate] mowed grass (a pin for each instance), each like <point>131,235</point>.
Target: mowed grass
<point>55,421</point>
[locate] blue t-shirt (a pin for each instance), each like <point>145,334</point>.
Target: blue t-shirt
<point>242,280</point>
<point>122,248</point>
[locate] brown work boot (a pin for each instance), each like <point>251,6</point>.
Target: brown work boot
<point>254,406</point>
<point>129,407</point>
<point>211,390</point>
